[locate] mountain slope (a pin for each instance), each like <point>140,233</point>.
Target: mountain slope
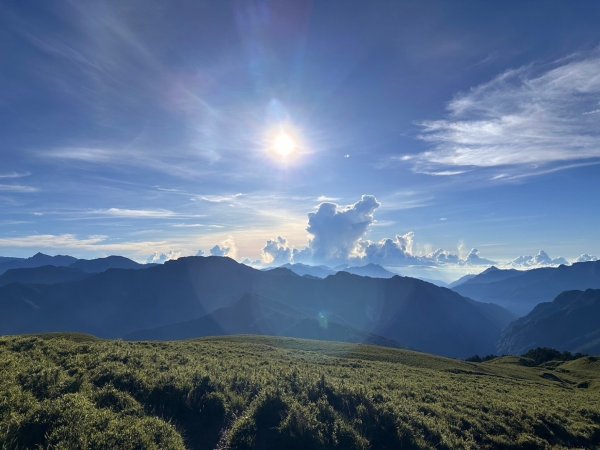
<point>569,323</point>
<point>520,291</point>
<point>461,280</point>
<point>115,303</point>
<point>41,275</point>
<point>253,315</point>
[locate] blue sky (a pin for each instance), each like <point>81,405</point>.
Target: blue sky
<point>136,127</point>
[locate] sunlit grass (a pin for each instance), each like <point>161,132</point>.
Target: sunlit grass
<point>73,391</point>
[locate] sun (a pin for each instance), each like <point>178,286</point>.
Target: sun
<point>284,145</point>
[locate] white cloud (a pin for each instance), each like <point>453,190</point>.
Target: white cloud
<point>150,214</point>
<point>473,259</point>
<point>13,175</point>
<point>441,257</point>
<point>220,198</point>
<point>394,252</point>
<point>277,251</point>
<point>338,237</point>
<point>225,248</point>
<point>160,258</point>
<point>541,259</point>
<point>85,154</point>
<point>17,188</point>
<point>137,213</point>
<point>336,230</point>
<point>585,258</point>
<point>521,120</point>
<point>68,241</point>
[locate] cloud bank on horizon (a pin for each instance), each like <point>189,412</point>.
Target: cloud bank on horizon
<point>339,238</point>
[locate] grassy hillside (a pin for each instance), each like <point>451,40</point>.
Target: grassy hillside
<point>73,391</point>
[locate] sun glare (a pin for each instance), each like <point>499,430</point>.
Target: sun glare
<point>284,145</point>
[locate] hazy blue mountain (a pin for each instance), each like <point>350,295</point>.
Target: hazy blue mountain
<point>114,303</point>
<point>110,262</point>
<point>492,274</point>
<point>42,275</point>
<point>519,291</point>
<point>439,283</point>
<point>369,270</point>
<point>462,280</point>
<point>85,265</point>
<point>254,315</point>
<point>313,271</point>
<point>569,323</point>
<point>37,260</point>
<point>5,259</point>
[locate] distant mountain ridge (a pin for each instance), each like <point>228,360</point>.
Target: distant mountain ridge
<point>520,291</point>
<point>37,260</point>
<point>571,322</point>
<point>368,270</point>
<point>85,265</point>
<point>118,302</point>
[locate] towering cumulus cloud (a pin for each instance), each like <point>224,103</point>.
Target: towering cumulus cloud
<point>398,251</point>
<point>336,231</point>
<point>277,251</point>
<point>338,237</point>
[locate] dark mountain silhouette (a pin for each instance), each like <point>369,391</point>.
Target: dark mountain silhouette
<point>254,315</point>
<point>110,262</point>
<point>42,275</point>
<point>519,291</point>
<point>37,260</point>
<point>569,323</point>
<point>117,302</point>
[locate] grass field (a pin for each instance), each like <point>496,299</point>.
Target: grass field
<point>73,391</point>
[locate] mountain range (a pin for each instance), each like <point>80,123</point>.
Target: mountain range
<point>120,302</point>
<point>115,297</point>
<point>85,265</point>
<point>369,270</point>
<point>520,291</point>
<point>569,323</point>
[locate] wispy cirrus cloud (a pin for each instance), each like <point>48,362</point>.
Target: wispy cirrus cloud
<point>522,121</point>
<point>18,188</point>
<point>13,175</point>
<point>137,213</point>
<point>84,154</point>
